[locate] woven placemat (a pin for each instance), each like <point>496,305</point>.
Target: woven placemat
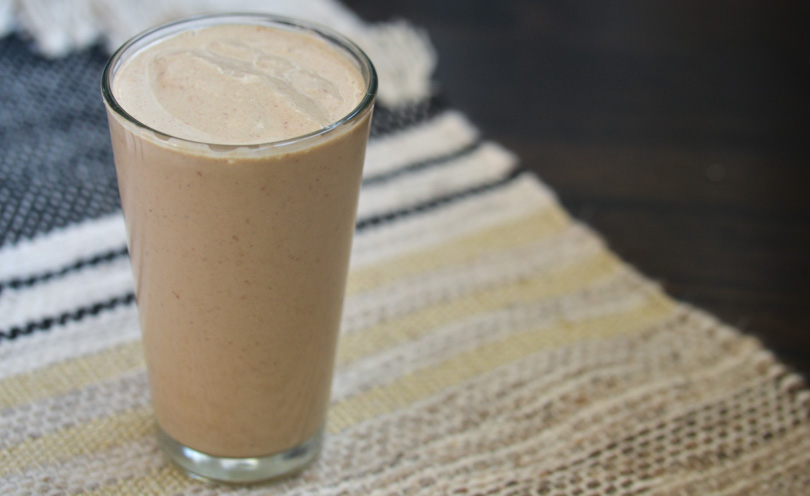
<point>491,344</point>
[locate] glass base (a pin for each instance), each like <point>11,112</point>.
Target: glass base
<point>244,470</point>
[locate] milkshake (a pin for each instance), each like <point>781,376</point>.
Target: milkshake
<point>239,143</point>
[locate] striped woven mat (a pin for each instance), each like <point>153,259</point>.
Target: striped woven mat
<point>490,345</point>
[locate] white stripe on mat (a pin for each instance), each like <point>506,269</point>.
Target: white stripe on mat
<point>86,336</point>
<point>457,337</point>
<point>94,284</point>
<point>472,214</point>
<point>488,163</point>
<point>409,294</point>
<point>439,136</point>
<point>62,247</point>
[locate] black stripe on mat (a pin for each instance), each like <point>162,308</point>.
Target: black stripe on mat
<point>362,224</point>
<point>421,165</point>
<point>71,316</point>
<point>376,220</point>
<point>24,282</point>
<point>390,120</point>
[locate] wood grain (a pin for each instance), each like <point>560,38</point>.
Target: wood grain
<point>680,130</point>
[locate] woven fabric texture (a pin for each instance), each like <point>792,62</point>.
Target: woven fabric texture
<point>490,344</point>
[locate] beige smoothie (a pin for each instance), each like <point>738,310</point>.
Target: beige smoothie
<point>239,248</point>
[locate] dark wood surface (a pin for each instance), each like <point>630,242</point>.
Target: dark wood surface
<point>679,129</point>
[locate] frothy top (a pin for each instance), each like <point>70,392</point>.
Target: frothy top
<point>238,85</point>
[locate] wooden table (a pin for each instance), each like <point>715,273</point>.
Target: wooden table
<point>679,129</point>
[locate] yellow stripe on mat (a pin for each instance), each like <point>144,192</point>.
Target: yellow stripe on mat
<point>544,285</point>
<point>84,439</point>
<point>71,374</point>
<point>431,380</point>
<point>541,224</point>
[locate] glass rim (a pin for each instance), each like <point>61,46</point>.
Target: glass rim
<point>328,35</point>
